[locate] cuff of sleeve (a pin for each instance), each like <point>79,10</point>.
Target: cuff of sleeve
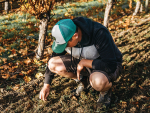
<point>94,64</point>
<point>48,76</point>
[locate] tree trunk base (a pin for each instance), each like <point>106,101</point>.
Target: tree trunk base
<point>42,35</point>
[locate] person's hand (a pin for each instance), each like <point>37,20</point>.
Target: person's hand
<point>82,64</point>
<point>44,92</point>
<point>79,69</point>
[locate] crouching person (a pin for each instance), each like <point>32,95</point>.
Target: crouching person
<point>92,57</point>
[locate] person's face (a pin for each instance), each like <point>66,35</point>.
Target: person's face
<point>74,41</point>
<point>75,38</point>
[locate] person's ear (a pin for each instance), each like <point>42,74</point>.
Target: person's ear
<point>75,35</point>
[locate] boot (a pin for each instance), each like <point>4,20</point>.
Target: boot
<point>105,98</point>
<point>84,85</point>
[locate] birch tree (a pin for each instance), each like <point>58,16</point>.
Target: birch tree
<point>6,7</point>
<point>146,6</point>
<point>42,10</point>
<point>107,11</point>
<point>137,8</point>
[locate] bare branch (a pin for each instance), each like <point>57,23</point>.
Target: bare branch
<point>23,5</point>
<point>33,5</point>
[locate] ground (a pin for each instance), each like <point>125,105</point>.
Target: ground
<point>131,91</point>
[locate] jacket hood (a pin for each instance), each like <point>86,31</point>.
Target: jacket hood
<point>88,27</point>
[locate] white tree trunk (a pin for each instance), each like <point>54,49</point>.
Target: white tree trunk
<point>107,11</point>
<point>141,8</point>
<point>146,6</point>
<point>6,8</point>
<point>42,35</point>
<point>138,4</point>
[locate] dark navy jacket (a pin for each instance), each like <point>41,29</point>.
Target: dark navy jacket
<point>97,44</point>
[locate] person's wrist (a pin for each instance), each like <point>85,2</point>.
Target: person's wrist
<point>82,62</point>
<point>46,85</point>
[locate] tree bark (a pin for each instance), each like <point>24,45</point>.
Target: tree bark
<point>138,4</point>
<point>130,4</point>
<point>6,8</point>
<point>146,6</point>
<point>141,8</point>
<point>107,11</point>
<point>42,35</point>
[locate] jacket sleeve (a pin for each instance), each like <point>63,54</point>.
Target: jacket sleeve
<point>105,46</point>
<point>48,74</point>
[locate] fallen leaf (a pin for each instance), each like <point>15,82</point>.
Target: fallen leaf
<point>29,71</point>
<point>27,79</point>
<point>23,51</point>
<point>6,76</point>
<point>38,75</point>
<point>124,104</point>
<point>34,91</point>
<point>145,68</point>
<point>73,5</point>
<point>27,61</point>
<point>4,60</point>
<point>31,34</point>
<point>13,77</point>
<point>5,67</point>
<point>135,103</point>
<point>141,87</point>
<point>45,60</point>
<point>67,14</point>
<point>15,87</point>
<point>13,51</point>
<point>124,67</point>
<point>35,60</point>
<point>74,98</point>
<point>21,74</point>
<point>29,106</point>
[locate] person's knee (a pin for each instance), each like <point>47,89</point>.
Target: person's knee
<point>51,64</point>
<point>56,65</point>
<point>98,81</point>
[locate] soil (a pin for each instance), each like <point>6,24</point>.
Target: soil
<point>131,91</point>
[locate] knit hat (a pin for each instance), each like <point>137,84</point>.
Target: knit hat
<point>62,32</point>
